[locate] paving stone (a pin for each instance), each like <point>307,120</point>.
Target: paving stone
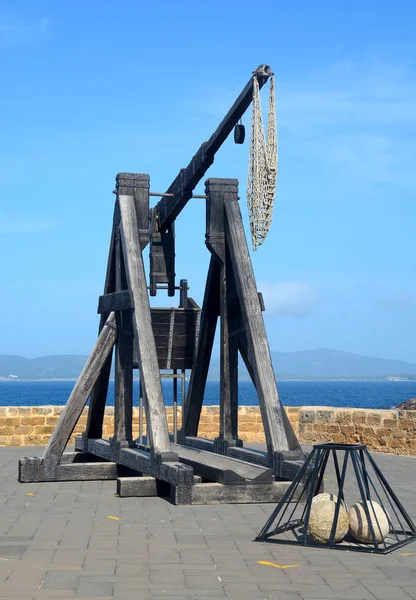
<point>245,589</point>
<point>60,580</point>
<point>132,569</point>
<point>195,582</point>
<point>89,588</point>
<point>399,573</point>
<point>100,565</point>
<point>127,595</point>
<point>74,558</point>
<point>17,597</point>
<point>166,576</point>
<point>38,557</point>
<point>282,596</point>
<point>392,592</point>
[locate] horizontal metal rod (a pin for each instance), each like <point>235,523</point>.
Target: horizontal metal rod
<point>202,197</point>
<point>172,195</point>
<point>165,287</point>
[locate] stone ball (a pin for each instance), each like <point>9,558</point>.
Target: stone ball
<point>327,496</point>
<point>321,519</point>
<point>359,528</point>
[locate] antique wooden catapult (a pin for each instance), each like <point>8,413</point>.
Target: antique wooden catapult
<point>189,468</point>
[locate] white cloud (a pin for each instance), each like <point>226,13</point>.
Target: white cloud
<point>15,31</point>
<point>288,298</point>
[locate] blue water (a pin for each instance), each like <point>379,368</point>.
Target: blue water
<point>359,394</point>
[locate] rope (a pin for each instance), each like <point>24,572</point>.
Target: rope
<point>262,167</point>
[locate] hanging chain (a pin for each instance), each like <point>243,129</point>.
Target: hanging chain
<point>262,167</point>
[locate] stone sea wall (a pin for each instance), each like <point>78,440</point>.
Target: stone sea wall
<point>392,431</point>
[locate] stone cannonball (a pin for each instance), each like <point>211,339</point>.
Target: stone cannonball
<point>326,496</point>
<point>321,519</point>
<point>359,528</point>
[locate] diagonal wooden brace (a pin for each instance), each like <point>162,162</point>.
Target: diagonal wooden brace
<point>79,396</point>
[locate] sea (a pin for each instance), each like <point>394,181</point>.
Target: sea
<point>356,394</point>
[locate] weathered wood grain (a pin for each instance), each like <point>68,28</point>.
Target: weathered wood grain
<point>215,234</point>
<point>94,428</point>
<point>77,457</point>
<point>175,331</point>
<point>137,185</point>
<point>217,493</point>
<point>215,242</point>
<point>256,457</point>
<point>116,301</point>
<point>100,448</point>
<point>233,316</point>
<point>123,391</point>
<point>139,487</point>
<point>200,443</point>
<point>224,469</point>
<point>142,324</point>
<point>80,394</point>
<point>86,471</point>
<point>162,256</point>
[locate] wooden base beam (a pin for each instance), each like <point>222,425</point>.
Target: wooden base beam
<point>142,487</point>
<point>216,493</point>
<point>145,487</point>
<point>32,470</point>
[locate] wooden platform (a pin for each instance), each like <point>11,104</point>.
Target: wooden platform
<point>223,469</point>
<point>199,476</point>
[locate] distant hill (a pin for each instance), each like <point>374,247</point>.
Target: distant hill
<point>334,364</point>
<point>310,364</point>
<point>65,366</point>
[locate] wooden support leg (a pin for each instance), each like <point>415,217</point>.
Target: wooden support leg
<point>123,400</point>
<point>98,398</point>
<point>219,191</point>
<point>208,324</point>
<point>123,413</point>
<point>226,437</point>
<point>278,431</point>
<point>233,323</point>
<point>142,325</point>
<point>79,396</point>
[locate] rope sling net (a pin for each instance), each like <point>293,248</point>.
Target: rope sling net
<point>262,167</point>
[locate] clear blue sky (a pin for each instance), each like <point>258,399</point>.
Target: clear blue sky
<point>93,88</point>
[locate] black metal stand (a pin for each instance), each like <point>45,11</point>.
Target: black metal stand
<point>370,485</point>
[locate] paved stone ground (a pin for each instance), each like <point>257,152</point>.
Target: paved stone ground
<point>57,541</point>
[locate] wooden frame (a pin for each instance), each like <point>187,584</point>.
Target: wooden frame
<point>153,339</point>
